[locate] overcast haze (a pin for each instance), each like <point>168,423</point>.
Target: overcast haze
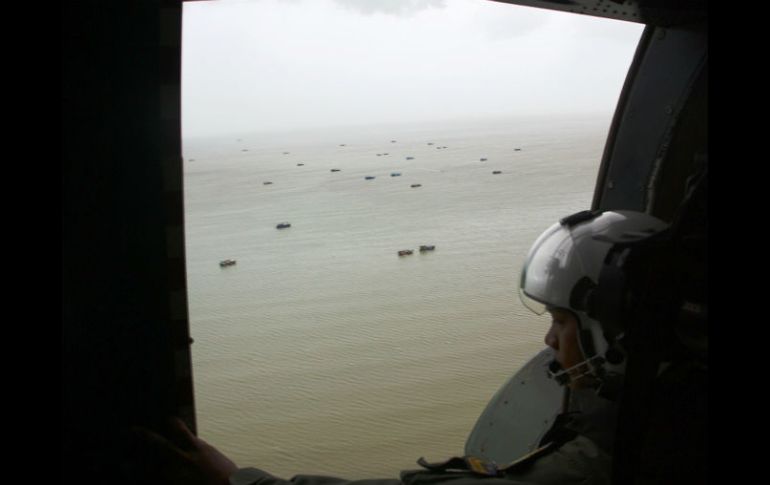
<point>273,65</point>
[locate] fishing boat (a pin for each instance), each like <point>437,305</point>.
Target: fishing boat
<point>415,185</point>
<point>427,248</point>
<point>283,225</point>
<point>405,252</point>
<point>226,263</point>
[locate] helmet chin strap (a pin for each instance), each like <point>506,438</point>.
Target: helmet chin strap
<point>574,373</point>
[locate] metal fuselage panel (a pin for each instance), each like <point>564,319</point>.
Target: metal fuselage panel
<point>518,415</point>
<point>671,63</point>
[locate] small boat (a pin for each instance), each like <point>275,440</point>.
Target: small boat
<point>395,174</point>
<point>483,159</point>
<point>517,149</point>
<point>283,225</point>
<point>226,263</point>
<point>285,153</point>
<point>416,185</point>
<point>300,164</point>
<point>335,170</point>
<point>496,172</point>
<point>393,141</point>
<point>369,177</point>
<point>410,158</point>
<point>427,248</point>
<point>405,252</point>
<point>267,183</point>
<point>430,143</point>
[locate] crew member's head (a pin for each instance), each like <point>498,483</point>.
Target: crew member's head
<point>561,275</point>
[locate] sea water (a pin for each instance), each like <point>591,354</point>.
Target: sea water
<point>321,350</point>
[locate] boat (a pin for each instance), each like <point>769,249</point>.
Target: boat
<point>405,252</point>
<point>283,225</point>
<point>369,177</point>
<point>226,263</point>
<point>395,174</point>
<point>483,159</point>
<point>416,185</point>
<point>300,164</point>
<point>335,170</point>
<point>410,158</point>
<point>267,183</point>
<point>517,149</point>
<point>496,172</point>
<point>427,248</point>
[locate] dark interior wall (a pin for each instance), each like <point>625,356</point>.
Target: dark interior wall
<point>124,305</point>
<point>659,125</point>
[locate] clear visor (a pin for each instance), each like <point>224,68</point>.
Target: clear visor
<point>550,271</point>
<point>564,254</point>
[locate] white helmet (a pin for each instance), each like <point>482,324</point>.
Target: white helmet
<point>563,268</point>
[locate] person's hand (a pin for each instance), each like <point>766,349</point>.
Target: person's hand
<point>187,459</point>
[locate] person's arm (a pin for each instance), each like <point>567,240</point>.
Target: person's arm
<point>189,460</point>
<point>255,476</point>
<point>186,459</point>
<point>183,458</point>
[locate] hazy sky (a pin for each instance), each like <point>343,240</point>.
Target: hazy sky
<point>271,65</point>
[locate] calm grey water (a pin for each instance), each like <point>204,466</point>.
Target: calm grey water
<point>321,350</point>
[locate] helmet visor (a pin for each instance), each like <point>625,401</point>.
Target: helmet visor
<point>550,271</point>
